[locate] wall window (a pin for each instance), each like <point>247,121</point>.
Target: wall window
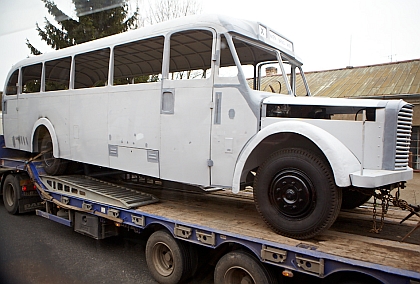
<point>191,55</point>
<point>57,74</point>
<point>11,88</point>
<point>31,78</point>
<point>138,62</point>
<point>92,69</point>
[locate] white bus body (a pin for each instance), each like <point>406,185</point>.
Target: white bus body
<point>172,101</point>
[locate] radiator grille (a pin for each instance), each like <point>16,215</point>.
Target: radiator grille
<point>402,151</point>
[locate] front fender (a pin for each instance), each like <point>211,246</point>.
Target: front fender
<point>342,160</point>
<point>45,122</point>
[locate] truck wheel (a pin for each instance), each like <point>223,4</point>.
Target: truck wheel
<point>353,199</point>
<point>11,194</point>
<point>239,267</point>
<point>295,193</point>
<point>169,260</point>
<point>52,166</point>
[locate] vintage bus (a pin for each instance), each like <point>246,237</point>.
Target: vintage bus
<point>183,101</point>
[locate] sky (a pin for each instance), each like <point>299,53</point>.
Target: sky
<point>327,34</point>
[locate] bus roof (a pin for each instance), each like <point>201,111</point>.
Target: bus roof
<point>221,24</point>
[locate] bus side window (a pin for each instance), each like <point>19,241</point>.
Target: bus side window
<point>11,88</point>
<point>31,78</point>
<point>57,74</point>
<point>139,61</point>
<point>191,55</point>
<point>91,69</point>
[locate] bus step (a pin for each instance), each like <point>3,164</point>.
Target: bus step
<point>97,190</point>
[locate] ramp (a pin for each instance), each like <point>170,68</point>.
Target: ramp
<point>98,191</point>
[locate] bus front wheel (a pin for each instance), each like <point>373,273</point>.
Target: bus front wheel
<point>52,165</point>
<point>295,192</point>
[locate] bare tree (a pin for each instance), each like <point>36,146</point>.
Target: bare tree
<point>163,10</point>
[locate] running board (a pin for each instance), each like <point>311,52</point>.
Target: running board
<point>97,190</point>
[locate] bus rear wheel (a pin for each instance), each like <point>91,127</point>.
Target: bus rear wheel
<point>52,165</point>
<point>295,193</point>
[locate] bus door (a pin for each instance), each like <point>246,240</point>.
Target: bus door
<point>186,116</point>
<point>10,111</point>
<point>235,116</point>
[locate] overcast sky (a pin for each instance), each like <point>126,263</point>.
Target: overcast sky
<point>327,34</point>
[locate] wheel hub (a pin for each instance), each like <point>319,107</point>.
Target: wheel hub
<point>238,275</point>
<point>163,259</point>
<point>9,195</point>
<point>292,193</point>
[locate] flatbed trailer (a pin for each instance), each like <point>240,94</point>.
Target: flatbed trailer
<point>178,222</point>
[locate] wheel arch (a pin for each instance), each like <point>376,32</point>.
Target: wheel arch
<point>295,134</point>
<point>234,245</point>
<point>347,276</point>
<point>157,226</point>
<point>42,126</point>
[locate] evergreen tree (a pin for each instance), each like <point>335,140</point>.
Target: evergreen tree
<point>96,19</point>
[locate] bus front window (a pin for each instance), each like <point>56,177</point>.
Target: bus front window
<point>272,78</point>
<point>265,68</point>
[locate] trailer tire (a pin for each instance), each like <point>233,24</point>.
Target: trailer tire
<point>238,267</point>
<point>295,193</point>
<point>169,260</point>
<point>52,166</point>
<point>11,194</point>
<point>353,199</point>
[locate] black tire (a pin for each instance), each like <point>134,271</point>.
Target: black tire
<point>52,166</point>
<point>353,199</point>
<point>238,267</point>
<point>295,192</point>
<point>169,260</point>
<point>11,194</point>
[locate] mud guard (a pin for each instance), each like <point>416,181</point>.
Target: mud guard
<point>340,158</point>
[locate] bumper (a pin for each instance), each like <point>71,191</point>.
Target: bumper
<point>377,178</point>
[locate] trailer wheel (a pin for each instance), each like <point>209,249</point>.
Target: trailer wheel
<point>353,199</point>
<point>169,260</point>
<point>11,194</point>
<point>295,193</point>
<point>52,165</point>
<point>239,267</point>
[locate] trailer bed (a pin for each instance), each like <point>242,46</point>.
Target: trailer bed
<point>349,237</point>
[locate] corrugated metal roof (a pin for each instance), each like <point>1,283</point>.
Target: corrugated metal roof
<point>365,81</point>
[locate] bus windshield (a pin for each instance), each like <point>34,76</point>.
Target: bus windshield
<point>266,68</point>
